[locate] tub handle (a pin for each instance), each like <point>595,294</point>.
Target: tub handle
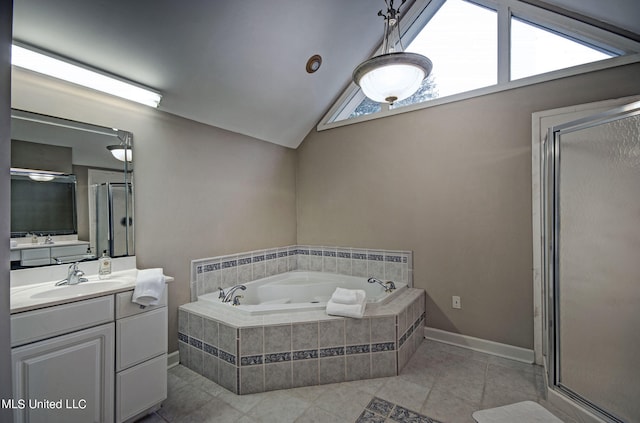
<point>236,300</point>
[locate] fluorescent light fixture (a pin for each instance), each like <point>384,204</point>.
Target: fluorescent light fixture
<point>41,63</point>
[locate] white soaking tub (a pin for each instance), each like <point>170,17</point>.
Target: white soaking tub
<point>299,291</point>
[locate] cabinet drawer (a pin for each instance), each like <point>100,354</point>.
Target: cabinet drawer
<point>69,250</point>
<point>125,308</point>
<point>36,257</point>
<point>140,337</point>
<point>44,323</point>
<point>141,387</point>
<point>36,253</point>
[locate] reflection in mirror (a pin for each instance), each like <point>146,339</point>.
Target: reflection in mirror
<point>71,191</point>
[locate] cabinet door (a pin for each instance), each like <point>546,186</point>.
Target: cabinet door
<point>65,379</point>
<point>140,337</point>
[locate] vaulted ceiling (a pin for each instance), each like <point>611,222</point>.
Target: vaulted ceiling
<point>237,65</point>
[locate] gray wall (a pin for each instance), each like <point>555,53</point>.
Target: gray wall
<point>33,155</point>
<point>453,184</point>
<point>200,191</point>
<point>6,10</point>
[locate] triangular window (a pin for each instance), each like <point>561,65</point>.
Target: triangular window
<point>536,50</point>
<point>481,44</point>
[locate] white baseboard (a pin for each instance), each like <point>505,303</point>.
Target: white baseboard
<point>482,345</point>
<point>173,359</point>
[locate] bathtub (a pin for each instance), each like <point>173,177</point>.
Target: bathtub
<point>299,291</point>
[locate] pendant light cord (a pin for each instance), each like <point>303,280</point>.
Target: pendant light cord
<point>392,14</point>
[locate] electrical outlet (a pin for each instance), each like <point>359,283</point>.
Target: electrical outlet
<point>455,302</point>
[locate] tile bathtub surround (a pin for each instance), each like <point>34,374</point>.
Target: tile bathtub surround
<point>257,355</point>
<point>225,271</point>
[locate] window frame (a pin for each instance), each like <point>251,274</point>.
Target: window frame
<point>417,17</point>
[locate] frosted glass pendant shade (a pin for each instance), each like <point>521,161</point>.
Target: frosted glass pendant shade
<point>392,77</point>
<point>121,153</point>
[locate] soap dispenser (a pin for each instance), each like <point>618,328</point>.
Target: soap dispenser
<point>104,266</point>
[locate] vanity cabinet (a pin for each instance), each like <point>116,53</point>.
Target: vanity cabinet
<point>96,360</point>
<point>29,255</point>
<point>62,362</point>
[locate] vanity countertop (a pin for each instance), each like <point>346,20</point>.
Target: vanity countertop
<point>28,245</point>
<point>46,294</point>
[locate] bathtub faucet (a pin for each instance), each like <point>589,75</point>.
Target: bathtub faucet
<point>388,285</point>
<point>227,298</point>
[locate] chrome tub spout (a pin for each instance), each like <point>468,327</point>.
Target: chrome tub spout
<point>388,286</point>
<point>229,295</point>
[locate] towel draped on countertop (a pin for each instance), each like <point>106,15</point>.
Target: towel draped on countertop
<point>149,287</point>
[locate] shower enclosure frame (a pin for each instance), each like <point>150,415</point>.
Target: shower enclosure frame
<point>550,162</point>
<point>129,232</point>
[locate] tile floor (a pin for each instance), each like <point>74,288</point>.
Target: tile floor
<point>441,383</point>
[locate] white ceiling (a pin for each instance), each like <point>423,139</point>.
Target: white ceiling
<point>237,65</point>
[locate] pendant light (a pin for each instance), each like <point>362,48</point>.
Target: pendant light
<point>393,75</point>
<point>122,151</point>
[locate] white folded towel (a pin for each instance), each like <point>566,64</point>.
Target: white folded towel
<point>345,296</point>
<point>349,310</point>
<point>149,287</point>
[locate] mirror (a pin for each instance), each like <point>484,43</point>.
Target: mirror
<point>71,191</point>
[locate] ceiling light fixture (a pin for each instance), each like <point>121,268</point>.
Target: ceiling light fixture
<point>38,62</point>
<point>313,64</point>
<point>36,175</point>
<point>393,75</point>
<point>122,151</point>
<point>41,177</point>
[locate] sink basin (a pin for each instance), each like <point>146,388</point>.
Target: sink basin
<point>80,289</point>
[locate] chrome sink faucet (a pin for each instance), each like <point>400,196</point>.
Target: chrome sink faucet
<point>388,285</point>
<point>227,298</point>
<point>74,276</point>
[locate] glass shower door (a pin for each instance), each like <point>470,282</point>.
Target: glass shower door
<point>594,284</point>
<point>114,219</point>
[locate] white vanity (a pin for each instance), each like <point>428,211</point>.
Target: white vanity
<point>41,253</point>
<point>86,353</point>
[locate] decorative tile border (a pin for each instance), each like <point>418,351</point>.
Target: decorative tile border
<point>305,354</point>
<point>277,357</point>
<point>208,274</point>
<point>357,349</point>
<point>384,346</point>
<point>210,349</point>
<point>251,360</point>
<point>229,358</point>
<point>379,411</point>
<point>331,352</point>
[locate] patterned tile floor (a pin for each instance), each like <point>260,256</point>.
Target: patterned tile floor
<point>440,384</point>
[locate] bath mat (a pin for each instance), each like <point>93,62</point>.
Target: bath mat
<point>526,411</point>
